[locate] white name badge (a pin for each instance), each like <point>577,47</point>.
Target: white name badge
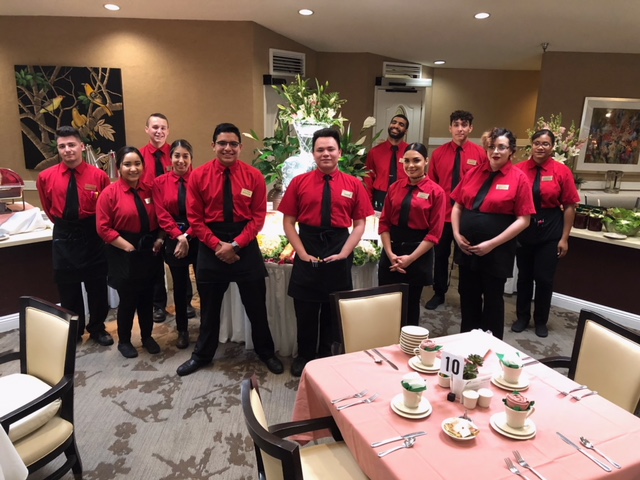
<point>423,195</point>
<point>548,178</point>
<point>246,193</point>
<point>502,186</point>
<point>452,365</point>
<point>472,162</point>
<point>147,200</point>
<point>347,193</point>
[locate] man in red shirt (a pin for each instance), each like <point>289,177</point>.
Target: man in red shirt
<point>384,162</point>
<point>325,202</point>
<point>449,164</point>
<point>68,193</point>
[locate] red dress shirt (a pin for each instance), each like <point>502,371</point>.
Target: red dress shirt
<point>427,208</point>
<point>557,186</point>
<point>379,164</point>
<point>443,160</point>
<point>205,200</point>
<point>148,153</point>
<point>166,189</point>
<point>117,211</point>
<point>510,192</point>
<point>53,184</point>
<point>303,199</point>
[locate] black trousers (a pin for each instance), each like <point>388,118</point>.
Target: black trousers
<point>135,298</point>
<point>441,254</point>
<point>536,263</point>
<point>481,301</point>
<point>314,322</point>
<point>160,292</point>
<point>182,294</point>
<point>97,298</point>
<point>253,294</point>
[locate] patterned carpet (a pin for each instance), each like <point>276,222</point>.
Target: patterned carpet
<point>136,419</point>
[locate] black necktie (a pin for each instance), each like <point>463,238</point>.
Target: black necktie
<point>393,168</point>
<point>537,191</point>
<point>405,209</point>
<point>482,194</point>
<point>456,169</point>
<point>72,208</point>
<point>142,212</point>
<point>159,165</point>
<point>228,197</point>
<point>326,202</point>
<point>182,199</point>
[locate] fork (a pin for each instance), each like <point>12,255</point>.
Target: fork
<point>513,468</point>
<point>593,392</point>
<point>568,392</point>
<point>375,359</point>
<point>371,399</point>
<point>355,395</point>
<point>524,464</point>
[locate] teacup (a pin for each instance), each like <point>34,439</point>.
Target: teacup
<point>444,380</point>
<point>470,399</point>
<point>411,399</point>
<point>510,374</point>
<point>485,396</point>
<point>426,357</point>
<point>517,418</point>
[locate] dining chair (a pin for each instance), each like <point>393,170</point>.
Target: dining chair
<point>36,405</point>
<point>600,348</point>
<point>281,459</point>
<point>370,317</point>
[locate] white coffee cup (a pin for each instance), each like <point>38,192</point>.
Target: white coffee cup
<point>470,399</point>
<point>411,399</point>
<point>485,396</point>
<point>510,374</point>
<point>517,418</point>
<point>426,357</point>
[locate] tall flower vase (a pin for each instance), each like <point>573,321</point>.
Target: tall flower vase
<point>302,163</point>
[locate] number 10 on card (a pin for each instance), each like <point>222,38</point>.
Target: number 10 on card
<point>452,365</point>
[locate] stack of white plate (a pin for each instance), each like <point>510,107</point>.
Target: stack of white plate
<point>411,336</point>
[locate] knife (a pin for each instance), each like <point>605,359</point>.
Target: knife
<point>385,358</point>
<point>595,460</point>
<point>398,439</point>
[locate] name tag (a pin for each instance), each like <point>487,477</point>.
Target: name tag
<point>423,195</point>
<point>148,201</point>
<point>347,193</point>
<point>548,178</point>
<point>246,193</point>
<point>472,162</point>
<point>92,188</point>
<point>502,186</point>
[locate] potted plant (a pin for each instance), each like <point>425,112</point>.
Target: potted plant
<point>354,154</point>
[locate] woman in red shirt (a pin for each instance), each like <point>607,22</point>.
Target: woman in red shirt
<point>411,224</point>
<point>127,222</point>
<point>181,249</point>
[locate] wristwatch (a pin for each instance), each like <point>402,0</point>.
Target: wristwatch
<point>236,247</point>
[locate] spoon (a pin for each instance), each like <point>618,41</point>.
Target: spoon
<point>408,443</point>
<point>375,359</point>
<point>581,387</point>
<point>591,446</point>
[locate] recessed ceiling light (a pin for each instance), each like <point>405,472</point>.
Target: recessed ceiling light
<point>306,12</point>
<point>482,15</point>
<point>439,62</point>
<point>111,6</point>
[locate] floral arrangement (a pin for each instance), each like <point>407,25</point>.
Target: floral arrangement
<point>354,154</point>
<point>517,402</point>
<point>511,360</point>
<point>271,246</point>
<point>430,346</point>
<point>414,382</point>
<point>567,142</point>
<point>307,106</point>
<point>366,252</point>
<point>471,365</point>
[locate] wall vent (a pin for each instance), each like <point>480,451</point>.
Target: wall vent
<point>401,70</point>
<point>283,62</point>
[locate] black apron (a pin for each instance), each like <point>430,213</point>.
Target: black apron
<point>170,247</point>
<point>378,199</point>
<point>544,227</point>
<point>137,269</point>
<point>78,253</point>
<point>478,227</point>
<point>403,242</point>
<point>250,267</point>
<point>313,282</point>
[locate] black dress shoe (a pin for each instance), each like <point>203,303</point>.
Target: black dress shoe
<point>103,338</point>
<point>151,345</point>
<point>273,364</point>
<point>520,326</point>
<point>433,303</point>
<point>298,366</point>
<point>127,350</point>
<point>183,340</point>
<point>190,366</point>
<point>159,315</point>
<point>191,312</point>
<point>542,331</point>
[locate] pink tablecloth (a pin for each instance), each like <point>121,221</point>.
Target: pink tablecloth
<point>437,456</point>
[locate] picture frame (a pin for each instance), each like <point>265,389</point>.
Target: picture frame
<point>611,128</point>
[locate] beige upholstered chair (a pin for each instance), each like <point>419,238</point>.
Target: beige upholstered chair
<point>36,405</point>
<point>280,459</point>
<point>370,317</point>
<point>599,346</point>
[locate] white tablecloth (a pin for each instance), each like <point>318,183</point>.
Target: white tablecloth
<point>11,465</point>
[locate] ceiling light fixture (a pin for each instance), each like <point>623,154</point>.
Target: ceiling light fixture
<point>111,6</point>
<point>305,12</point>
<point>482,15</point>
<point>439,62</point>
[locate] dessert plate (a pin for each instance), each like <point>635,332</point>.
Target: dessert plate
<point>498,381</point>
<point>499,423</point>
<point>457,421</point>
<point>614,236</point>
<point>418,366</point>
<point>421,411</point>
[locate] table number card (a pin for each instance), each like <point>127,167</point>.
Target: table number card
<point>452,365</point>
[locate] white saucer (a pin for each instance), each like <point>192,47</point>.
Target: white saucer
<point>499,423</point>
<point>498,381</point>
<point>422,411</point>
<point>614,236</point>
<point>458,419</point>
<point>414,331</point>
<point>418,366</point>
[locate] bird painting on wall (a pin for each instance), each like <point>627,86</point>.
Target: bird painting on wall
<point>52,105</point>
<point>96,98</point>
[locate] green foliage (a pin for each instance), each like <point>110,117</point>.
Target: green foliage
<point>366,252</point>
<point>274,151</point>
<point>309,106</point>
<point>26,79</point>
<point>471,366</point>
<point>86,101</point>
<point>354,154</point>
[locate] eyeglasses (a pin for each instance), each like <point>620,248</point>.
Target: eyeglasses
<point>500,148</point>
<point>542,144</point>
<point>222,144</point>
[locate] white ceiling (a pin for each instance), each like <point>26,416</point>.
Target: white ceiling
<point>419,31</point>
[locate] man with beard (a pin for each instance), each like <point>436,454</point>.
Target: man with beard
<point>383,161</point>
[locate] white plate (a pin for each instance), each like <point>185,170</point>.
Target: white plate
<point>614,236</point>
<point>415,331</point>
<point>418,366</point>
<point>424,407</point>
<point>458,419</point>
<point>498,381</point>
<point>499,423</point>
<point>395,410</point>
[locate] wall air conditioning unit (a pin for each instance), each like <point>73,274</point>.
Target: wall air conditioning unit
<point>285,63</point>
<point>402,76</point>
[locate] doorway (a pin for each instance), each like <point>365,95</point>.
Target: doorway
<point>410,102</point>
